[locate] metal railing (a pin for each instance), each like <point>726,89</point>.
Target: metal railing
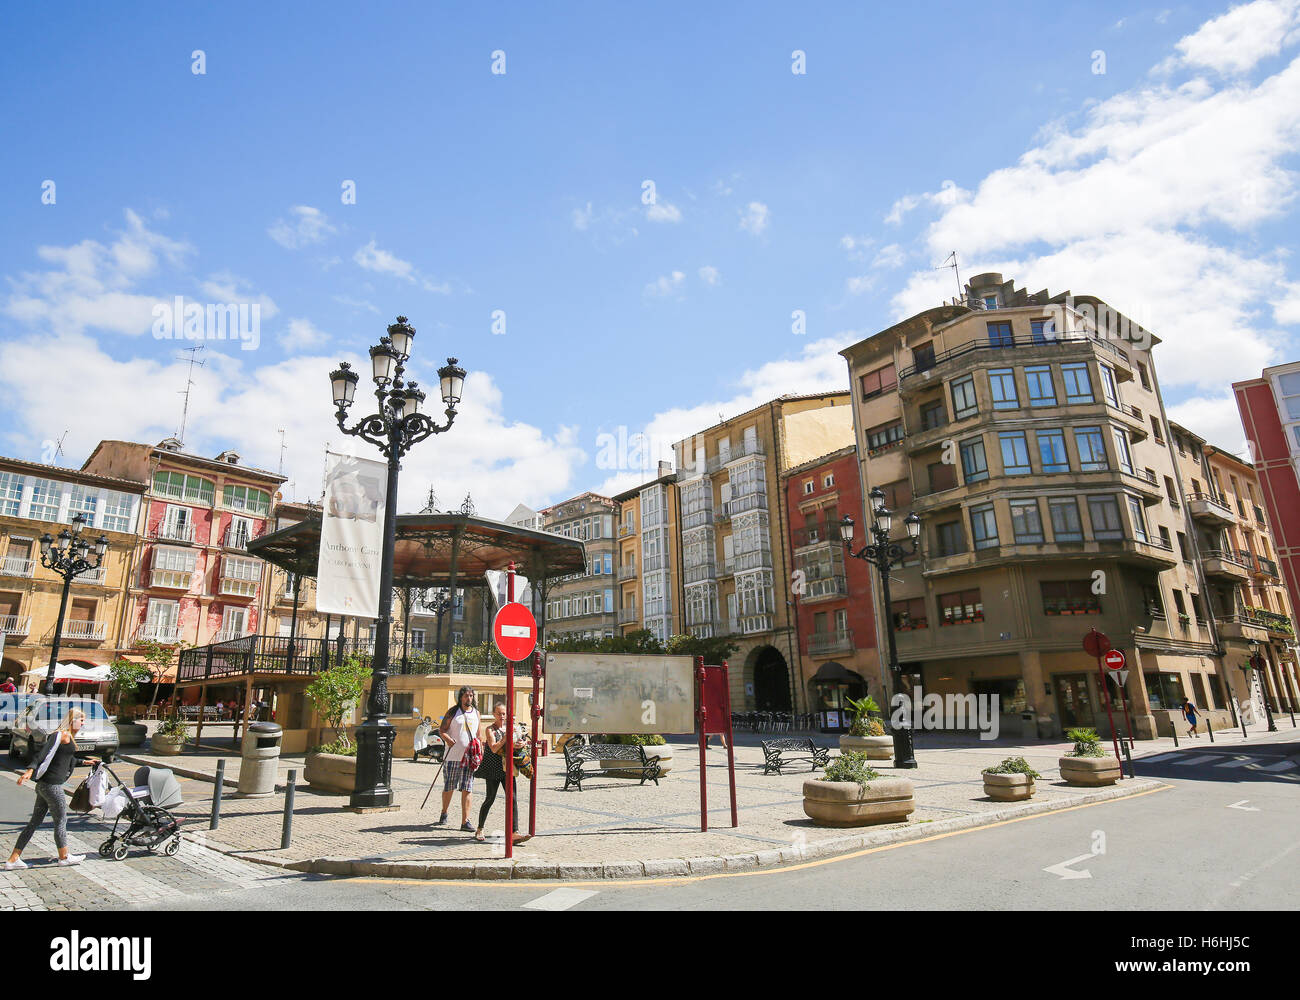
<point>15,624</point>
<point>626,529</point>
<point>93,577</point>
<point>826,587</point>
<point>839,641</point>
<point>158,633</point>
<point>628,572</point>
<point>165,532</point>
<point>17,566</point>
<point>238,537</point>
<point>626,615</point>
<point>87,631</point>
<point>1065,340</point>
<point>1268,566</point>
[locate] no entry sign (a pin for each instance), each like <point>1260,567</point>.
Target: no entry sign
<point>1114,660</point>
<point>515,631</point>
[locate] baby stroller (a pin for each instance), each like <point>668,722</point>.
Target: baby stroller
<point>144,808</point>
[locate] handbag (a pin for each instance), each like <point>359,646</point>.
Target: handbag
<point>115,802</point>
<point>80,801</point>
<point>97,785</point>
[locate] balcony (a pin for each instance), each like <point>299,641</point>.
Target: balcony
<point>1225,565</point>
<point>15,624</point>
<point>171,579</point>
<point>727,567</point>
<point>83,631</point>
<point>628,572</point>
<point>826,643</point>
<point>1242,627</point>
<point>818,534</point>
<point>828,586</point>
<point>92,577</point>
<point>743,450</point>
<point>1207,507</point>
<point>626,530</point>
<point>229,635</point>
<point>1267,567</point>
<point>628,616</point>
<point>698,572</point>
<point>697,518</point>
<point>746,503</point>
<point>1067,343</point>
<point>238,536</point>
<point>753,624</point>
<point>150,632</point>
<point>17,566</point>
<point>758,559</point>
<point>175,532</point>
<point>1146,484</point>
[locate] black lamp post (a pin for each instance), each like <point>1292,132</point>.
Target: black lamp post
<point>1257,664</point>
<point>69,556</point>
<point>393,430</point>
<point>437,603</point>
<point>884,555</point>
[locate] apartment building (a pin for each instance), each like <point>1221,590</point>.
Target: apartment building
<point>1034,446</point>
<point>835,613</point>
<point>734,564</point>
<point>35,500</point>
<point>583,605</point>
<point>646,564</point>
<point>196,582</point>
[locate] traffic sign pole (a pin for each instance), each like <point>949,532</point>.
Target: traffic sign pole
<point>509,745</point>
<point>1098,644</point>
<point>536,714</point>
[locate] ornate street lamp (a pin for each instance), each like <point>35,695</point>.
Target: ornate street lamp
<point>397,427</point>
<point>69,556</point>
<point>1257,664</point>
<point>884,555</point>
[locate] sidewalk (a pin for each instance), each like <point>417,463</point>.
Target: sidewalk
<point>616,828</point>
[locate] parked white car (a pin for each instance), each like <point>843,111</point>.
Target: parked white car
<point>41,716</point>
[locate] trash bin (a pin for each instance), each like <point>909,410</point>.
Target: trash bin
<point>259,759</point>
<point>1028,725</point>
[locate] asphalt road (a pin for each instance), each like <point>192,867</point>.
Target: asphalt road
<point>1222,837</point>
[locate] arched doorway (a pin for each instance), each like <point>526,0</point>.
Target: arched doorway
<point>771,679</point>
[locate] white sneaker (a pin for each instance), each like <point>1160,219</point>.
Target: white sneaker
<point>70,860</point>
<point>11,866</point>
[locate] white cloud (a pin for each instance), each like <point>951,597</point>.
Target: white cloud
<point>302,334</point>
<point>663,211</point>
<point>371,258</point>
<point>710,275</point>
<point>306,225</point>
<point>582,217</point>
<point>228,288</point>
<point>1235,42</point>
<point>901,207</point>
<point>664,285</point>
<point>754,218</point>
<point>889,256</point>
<point>1215,418</point>
<point>860,284</point>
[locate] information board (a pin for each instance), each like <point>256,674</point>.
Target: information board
<point>618,693</point>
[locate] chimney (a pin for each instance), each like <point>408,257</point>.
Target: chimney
<point>665,468</point>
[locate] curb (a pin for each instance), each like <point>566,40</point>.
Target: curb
<point>500,869</point>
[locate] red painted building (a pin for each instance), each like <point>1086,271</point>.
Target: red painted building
<point>835,618</point>
<point>196,583</point>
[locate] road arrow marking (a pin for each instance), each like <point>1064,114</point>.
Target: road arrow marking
<point>1065,871</point>
<point>1243,807</point>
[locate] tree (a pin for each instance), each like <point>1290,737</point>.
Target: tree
<point>336,691</point>
<point>157,659</point>
<point>715,650</point>
<point>123,678</point>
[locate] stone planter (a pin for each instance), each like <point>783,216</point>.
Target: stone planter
<point>846,803</point>
<point>165,747</point>
<point>875,747</point>
<point>1089,771</point>
<point>131,734</point>
<point>1008,787</point>
<point>332,773</point>
<point>664,753</point>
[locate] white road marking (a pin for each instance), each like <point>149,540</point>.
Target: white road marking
<point>1065,871</point>
<point>559,899</point>
<point>1239,762</point>
<point>1243,807</point>
<point>1281,765</point>
<point>1199,759</point>
<point>1159,756</point>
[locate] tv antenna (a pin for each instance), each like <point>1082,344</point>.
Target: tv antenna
<point>58,448</point>
<point>952,257</point>
<point>280,430</point>
<point>189,381</point>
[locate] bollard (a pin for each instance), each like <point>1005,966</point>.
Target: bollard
<point>1174,728</point>
<point>1129,757</point>
<point>287,832</point>
<point>1291,708</point>
<point>1243,725</point>
<point>216,795</point>
<point>1209,728</point>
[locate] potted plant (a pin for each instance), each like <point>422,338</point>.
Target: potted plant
<point>123,677</point>
<point>169,738</point>
<point>851,793</point>
<point>332,766</point>
<point>866,733</point>
<point>1088,764</point>
<point>655,746</point>
<point>1010,781</point>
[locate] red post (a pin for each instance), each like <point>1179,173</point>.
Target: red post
<point>701,717</point>
<point>536,714</point>
<point>1105,690</point>
<point>731,755</point>
<point>508,747</point>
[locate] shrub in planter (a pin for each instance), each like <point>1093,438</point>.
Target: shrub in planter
<point>866,733</point>
<point>332,767</point>
<point>1010,781</point>
<point>1088,764</point>
<point>170,737</point>
<point>851,793</point>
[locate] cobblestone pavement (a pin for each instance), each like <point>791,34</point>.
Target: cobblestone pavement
<point>613,821</point>
<point>143,879</point>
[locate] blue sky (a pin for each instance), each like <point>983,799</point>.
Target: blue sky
<point>1164,184</point>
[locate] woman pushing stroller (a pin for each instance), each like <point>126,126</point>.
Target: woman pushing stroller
<point>58,758</point>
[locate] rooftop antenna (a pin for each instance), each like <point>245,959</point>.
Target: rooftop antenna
<point>58,448</point>
<point>952,257</point>
<point>280,430</point>
<point>189,381</point>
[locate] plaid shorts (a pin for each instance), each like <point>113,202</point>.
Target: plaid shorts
<point>457,777</point>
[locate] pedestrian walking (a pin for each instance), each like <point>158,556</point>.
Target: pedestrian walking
<point>58,759</point>
<point>459,730</point>
<point>1189,713</point>
<point>493,770</point>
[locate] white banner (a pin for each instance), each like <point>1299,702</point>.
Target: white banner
<point>351,536</point>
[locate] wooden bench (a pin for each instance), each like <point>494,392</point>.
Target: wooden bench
<point>607,758</point>
<point>778,753</point>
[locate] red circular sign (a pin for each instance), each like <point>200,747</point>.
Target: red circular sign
<point>515,631</point>
<point>1095,643</point>
<point>1114,660</point>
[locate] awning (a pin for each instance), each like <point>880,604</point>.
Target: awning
<point>71,672</point>
<point>835,673</point>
